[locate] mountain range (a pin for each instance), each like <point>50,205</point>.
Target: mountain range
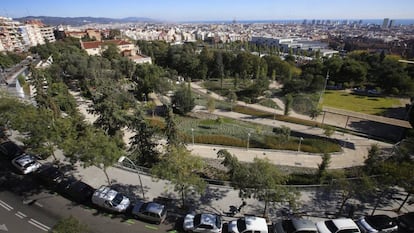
<point>79,21</point>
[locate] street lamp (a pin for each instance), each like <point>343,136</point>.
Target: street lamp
<point>121,159</point>
<point>324,87</point>
<point>192,134</point>
<point>248,140</point>
<point>300,143</point>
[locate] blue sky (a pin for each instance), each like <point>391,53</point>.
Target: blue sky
<point>184,10</point>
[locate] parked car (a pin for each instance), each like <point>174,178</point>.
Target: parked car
<point>79,191</point>
<point>10,150</point>
<point>248,224</point>
<point>150,211</point>
<point>26,163</point>
<point>110,199</point>
<point>377,223</point>
<point>406,222</point>
<point>295,225</point>
<point>340,225</point>
<point>50,176</point>
<point>203,222</point>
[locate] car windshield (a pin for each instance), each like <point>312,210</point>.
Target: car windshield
<point>29,164</point>
<point>143,207</point>
<point>241,224</point>
<point>197,219</point>
<point>288,226</point>
<point>331,226</point>
<point>117,199</point>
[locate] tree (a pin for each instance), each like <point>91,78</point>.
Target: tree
<point>70,225</point>
<point>361,186</point>
<point>323,166</point>
<point>111,52</point>
<point>142,145</point>
<point>95,148</point>
<point>373,161</point>
<point>111,105</point>
<point>211,105</point>
<point>182,101</point>
<point>232,98</point>
<point>171,130</point>
<point>288,104</point>
<point>263,181</point>
<point>179,167</point>
<point>328,130</point>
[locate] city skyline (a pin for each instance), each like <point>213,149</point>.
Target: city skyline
<point>187,10</point>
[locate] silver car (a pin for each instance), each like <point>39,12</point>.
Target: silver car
<point>26,163</point>
<point>295,225</point>
<point>210,223</point>
<point>377,224</point>
<point>110,199</point>
<point>150,211</point>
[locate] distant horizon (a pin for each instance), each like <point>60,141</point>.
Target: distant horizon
<point>403,21</point>
<point>213,10</point>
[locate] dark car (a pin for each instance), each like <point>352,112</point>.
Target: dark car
<point>80,192</point>
<point>10,150</point>
<point>50,176</point>
<point>377,223</point>
<point>406,222</point>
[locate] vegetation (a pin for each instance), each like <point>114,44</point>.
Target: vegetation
<point>70,225</point>
<point>178,166</point>
<point>359,103</point>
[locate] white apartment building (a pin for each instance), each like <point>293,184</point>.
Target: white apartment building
<point>10,36</point>
<point>15,36</point>
<point>47,33</point>
<point>31,35</point>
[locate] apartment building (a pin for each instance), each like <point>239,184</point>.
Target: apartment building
<point>10,36</point>
<point>47,34</point>
<point>15,36</point>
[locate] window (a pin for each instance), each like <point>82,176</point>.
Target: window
<point>331,226</point>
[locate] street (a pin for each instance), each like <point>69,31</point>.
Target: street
<point>25,206</point>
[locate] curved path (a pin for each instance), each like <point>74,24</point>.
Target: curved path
<point>347,158</point>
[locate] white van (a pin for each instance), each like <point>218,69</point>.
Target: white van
<point>110,199</point>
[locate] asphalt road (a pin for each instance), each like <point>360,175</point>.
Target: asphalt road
<point>25,206</point>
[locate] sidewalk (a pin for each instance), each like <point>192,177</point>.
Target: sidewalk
<point>313,202</point>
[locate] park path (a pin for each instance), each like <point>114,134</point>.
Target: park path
<point>347,158</point>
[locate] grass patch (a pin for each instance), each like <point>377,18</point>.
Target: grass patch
<point>359,103</point>
<point>268,103</point>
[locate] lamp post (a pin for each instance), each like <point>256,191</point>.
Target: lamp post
<point>192,134</point>
<point>121,159</point>
<point>248,141</point>
<point>300,143</point>
<point>324,87</point>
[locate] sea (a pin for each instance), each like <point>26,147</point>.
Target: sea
<point>309,21</point>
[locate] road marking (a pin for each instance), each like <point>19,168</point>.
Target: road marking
<point>3,227</point>
<point>39,225</point>
<point>20,215</point>
<point>5,205</point>
<point>38,204</point>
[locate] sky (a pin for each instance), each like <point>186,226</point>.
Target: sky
<point>194,10</point>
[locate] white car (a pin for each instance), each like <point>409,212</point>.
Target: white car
<point>340,225</point>
<point>202,223</point>
<point>110,199</point>
<point>248,224</point>
<point>26,163</point>
<point>295,225</point>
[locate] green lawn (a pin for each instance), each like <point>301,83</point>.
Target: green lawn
<point>359,103</point>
